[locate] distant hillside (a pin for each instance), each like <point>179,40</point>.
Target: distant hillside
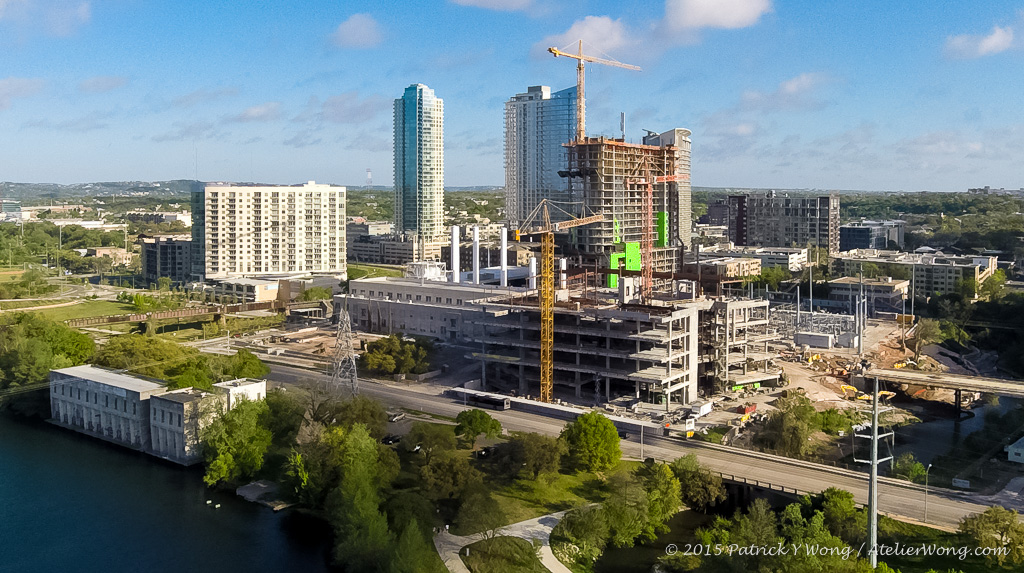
<point>31,193</point>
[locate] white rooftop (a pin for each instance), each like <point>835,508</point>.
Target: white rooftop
<point>112,378</point>
<point>237,383</point>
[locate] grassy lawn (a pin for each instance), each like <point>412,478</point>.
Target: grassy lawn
<point>714,434</point>
<point>358,271</point>
<point>13,305</point>
<point>891,531</point>
<point>87,309</point>
<point>503,555</point>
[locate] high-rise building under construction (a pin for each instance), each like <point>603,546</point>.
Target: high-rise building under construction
<point>538,124</point>
<point>612,177</point>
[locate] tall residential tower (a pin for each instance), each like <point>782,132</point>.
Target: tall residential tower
<point>250,230</point>
<point>537,125</point>
<point>419,165</point>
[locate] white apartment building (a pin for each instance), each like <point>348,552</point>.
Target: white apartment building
<point>251,230</point>
<point>419,164</point>
<point>537,125</point>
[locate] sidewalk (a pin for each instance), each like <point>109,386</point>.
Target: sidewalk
<point>448,545</point>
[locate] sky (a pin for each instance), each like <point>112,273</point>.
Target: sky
<point>824,94</point>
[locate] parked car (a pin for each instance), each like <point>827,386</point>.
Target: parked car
<point>391,439</point>
<point>396,417</point>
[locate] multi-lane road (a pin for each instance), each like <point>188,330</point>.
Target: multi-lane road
<point>896,498</point>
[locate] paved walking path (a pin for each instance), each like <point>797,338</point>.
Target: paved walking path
<point>448,545</point>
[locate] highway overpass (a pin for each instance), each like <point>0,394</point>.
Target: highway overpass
<point>897,498</point>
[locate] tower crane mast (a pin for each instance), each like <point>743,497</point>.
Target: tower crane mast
<point>546,291</point>
<point>580,58</point>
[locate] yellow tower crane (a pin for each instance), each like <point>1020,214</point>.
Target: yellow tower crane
<point>580,57</point>
<point>546,291</point>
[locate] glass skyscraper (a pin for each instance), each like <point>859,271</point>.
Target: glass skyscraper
<point>537,125</point>
<point>419,164</point>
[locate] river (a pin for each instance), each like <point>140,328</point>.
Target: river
<point>72,503</point>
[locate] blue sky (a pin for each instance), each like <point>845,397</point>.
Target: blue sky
<point>878,95</point>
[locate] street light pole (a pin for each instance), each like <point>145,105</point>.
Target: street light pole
<point>928,469</point>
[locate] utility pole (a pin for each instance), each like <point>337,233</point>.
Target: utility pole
<point>873,479</point>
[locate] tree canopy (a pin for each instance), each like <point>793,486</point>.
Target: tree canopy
<point>236,442</point>
<point>392,355</point>
<point>592,441</point>
<point>472,423</point>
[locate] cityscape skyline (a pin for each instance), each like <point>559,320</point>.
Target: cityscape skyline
<point>777,94</point>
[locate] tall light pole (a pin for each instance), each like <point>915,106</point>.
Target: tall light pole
<point>928,469</point>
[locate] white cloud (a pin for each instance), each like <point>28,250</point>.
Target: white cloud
<point>358,31</point>
<point>597,32</point>
<point>504,5</point>
<point>968,46</point>
<point>202,96</point>
<point>727,14</point>
<point>264,112</point>
<point>55,17</point>
<point>792,94</point>
<point>346,107</point>
<point>11,88</point>
<point>90,122</point>
<point>186,131</point>
<point>100,84</point>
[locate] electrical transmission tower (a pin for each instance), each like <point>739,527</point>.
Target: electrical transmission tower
<point>343,366</point>
<point>873,479</point>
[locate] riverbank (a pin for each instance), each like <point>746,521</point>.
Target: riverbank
<point>73,503</point>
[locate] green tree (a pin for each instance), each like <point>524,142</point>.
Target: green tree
<point>994,287</point>
<point>581,535</point>
<point>364,542</point>
<point>316,293</point>
<point>626,509</point>
<point>235,443</point>
<point>472,423</point>
<point>245,364</point>
<point>532,452</point>
<point>481,513</point>
<point>592,442</point>
<point>163,283</point>
<point>996,528</point>
<point>906,466</point>
<point>430,439</point>
<point>392,355</point>
<point>448,476</point>
<point>841,515</point>
<point>363,410</point>
<point>284,415</point>
<point>663,497</point>
<point>700,488</point>
<point>789,427</point>
<point>927,331</point>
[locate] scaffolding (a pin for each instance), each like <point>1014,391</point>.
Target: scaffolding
<point>735,334</point>
<point>600,169</point>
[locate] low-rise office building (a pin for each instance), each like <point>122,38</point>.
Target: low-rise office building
<point>871,235</point>
<point>104,403</point>
<point>791,258</point>
<point>930,273</point>
<point>140,413</point>
<point>442,310</point>
<point>883,294</point>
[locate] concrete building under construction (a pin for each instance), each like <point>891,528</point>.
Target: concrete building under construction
<point>734,338</point>
<point>611,177</point>
<point>600,349</point>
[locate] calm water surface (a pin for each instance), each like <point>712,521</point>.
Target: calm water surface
<point>71,503</point>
